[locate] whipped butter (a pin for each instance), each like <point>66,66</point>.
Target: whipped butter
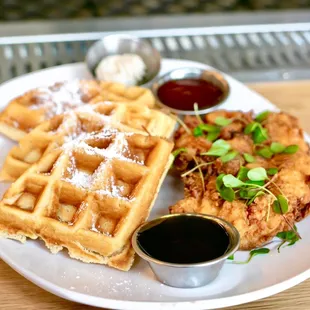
<point>127,69</point>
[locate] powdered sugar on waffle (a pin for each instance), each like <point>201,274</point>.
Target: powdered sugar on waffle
<point>117,148</point>
<point>78,178</point>
<point>59,98</point>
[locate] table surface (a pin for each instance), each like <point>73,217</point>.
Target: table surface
<point>18,293</point>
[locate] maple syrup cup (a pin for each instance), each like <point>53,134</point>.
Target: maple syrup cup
<point>182,259</point>
<point>179,89</point>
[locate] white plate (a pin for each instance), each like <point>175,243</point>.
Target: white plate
<point>138,289</point>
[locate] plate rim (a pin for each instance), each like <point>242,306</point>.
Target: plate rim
<point>110,303</point>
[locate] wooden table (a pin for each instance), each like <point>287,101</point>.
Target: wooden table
<point>18,293</point>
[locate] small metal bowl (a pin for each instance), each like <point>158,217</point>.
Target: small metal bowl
<point>214,77</point>
<point>187,275</point>
<point>118,44</point>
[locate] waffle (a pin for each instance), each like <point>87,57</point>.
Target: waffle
<point>34,107</point>
<point>88,195</point>
<point>130,117</point>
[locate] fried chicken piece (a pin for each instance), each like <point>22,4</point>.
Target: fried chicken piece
<point>285,129</point>
<point>193,186</point>
<point>239,122</point>
<point>187,205</point>
<point>243,117</point>
<point>242,143</point>
<point>194,146</point>
<point>233,133</point>
<point>299,161</point>
<point>257,223</point>
<point>231,167</point>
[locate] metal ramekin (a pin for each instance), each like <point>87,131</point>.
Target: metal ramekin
<point>188,275</point>
<point>184,73</point>
<point>118,44</point>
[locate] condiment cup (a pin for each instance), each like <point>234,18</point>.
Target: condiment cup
<point>212,76</point>
<point>118,44</point>
<point>187,275</point>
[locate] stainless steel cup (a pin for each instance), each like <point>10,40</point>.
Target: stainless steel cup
<point>118,44</point>
<point>214,77</point>
<point>187,275</point>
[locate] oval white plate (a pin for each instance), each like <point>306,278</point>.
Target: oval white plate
<point>138,289</point>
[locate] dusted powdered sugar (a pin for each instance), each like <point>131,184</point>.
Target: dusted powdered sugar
<point>80,178</point>
<point>59,98</point>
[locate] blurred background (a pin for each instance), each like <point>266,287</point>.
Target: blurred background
<point>12,10</point>
<point>253,40</point>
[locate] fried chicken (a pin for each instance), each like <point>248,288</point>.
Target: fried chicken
<point>256,222</point>
<point>284,128</point>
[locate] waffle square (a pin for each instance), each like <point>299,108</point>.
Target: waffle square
<point>88,195</point>
<point>131,117</point>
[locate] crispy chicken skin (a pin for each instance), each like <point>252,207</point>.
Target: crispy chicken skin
<point>257,223</point>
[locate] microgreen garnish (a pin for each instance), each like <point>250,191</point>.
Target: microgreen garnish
<point>290,237</point>
<point>219,181</point>
<point>218,148</point>
<point>201,128</point>
<point>231,257</point>
<point>260,183</point>
<point>250,127</point>
<point>259,133</point>
<point>247,193</point>
<point>227,193</point>
<point>250,184</point>
<point>200,174</point>
<point>248,158</point>
<point>265,152</point>
<point>256,252</point>
<point>291,149</point>
<point>230,181</point>
<point>178,151</point>
<point>243,173</point>
<point>262,116</point>
<point>212,136</point>
<point>257,174</point>
<point>253,253</point>
<point>195,168</point>
<point>258,193</point>
<point>280,205</point>
<point>196,109</point>
<point>197,131</point>
<point>229,156</point>
<point>272,171</point>
<point>188,131</point>
<point>222,121</point>
<point>277,147</point>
